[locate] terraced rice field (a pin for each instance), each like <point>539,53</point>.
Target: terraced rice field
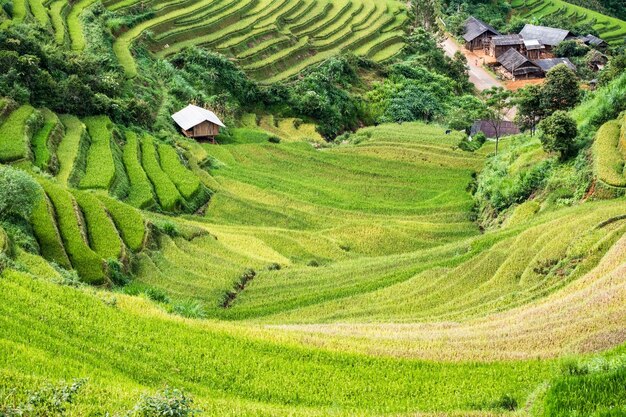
<point>271,40</point>
<point>611,29</point>
<point>371,283</point>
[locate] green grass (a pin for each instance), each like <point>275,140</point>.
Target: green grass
<point>187,183</point>
<point>58,20</point>
<point>140,195</point>
<point>165,190</point>
<point>101,231</point>
<point>609,161</point>
<point>70,146</point>
<point>100,170</point>
<point>74,25</point>
<point>40,142</point>
<point>129,222</point>
<point>38,10</point>
<point>13,135</point>
<point>45,228</point>
<point>86,262</point>
<point>227,372</point>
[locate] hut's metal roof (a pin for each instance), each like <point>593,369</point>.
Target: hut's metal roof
<point>547,64</point>
<point>474,28</point>
<point>533,44</point>
<point>546,35</point>
<point>192,115</point>
<point>507,40</point>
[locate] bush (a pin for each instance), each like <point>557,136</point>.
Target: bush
<point>167,403</point>
<point>273,139</point>
<point>189,308</point>
<point>558,133</point>
<point>48,401</point>
<point>18,193</point>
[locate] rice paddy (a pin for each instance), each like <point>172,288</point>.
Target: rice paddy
<point>272,40</point>
<point>287,278</point>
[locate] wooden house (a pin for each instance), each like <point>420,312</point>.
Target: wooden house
<point>547,36</point>
<point>515,65</point>
<point>196,122</point>
<point>478,34</point>
<point>501,44</point>
<point>533,49</point>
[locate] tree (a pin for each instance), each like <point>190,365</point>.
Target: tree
<point>498,102</point>
<point>18,193</point>
<point>561,90</point>
<point>424,13</point>
<point>558,133</point>
<point>529,107</point>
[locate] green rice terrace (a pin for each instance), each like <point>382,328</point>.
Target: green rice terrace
<point>611,29</point>
<point>304,281</point>
<point>271,40</point>
<point>343,247</point>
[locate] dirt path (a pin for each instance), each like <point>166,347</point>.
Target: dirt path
<point>478,76</point>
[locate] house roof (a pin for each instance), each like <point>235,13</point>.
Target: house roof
<point>596,56</point>
<point>533,44</point>
<point>546,35</point>
<point>547,64</point>
<point>474,28</point>
<point>593,40</point>
<point>507,40</point>
<point>512,60</point>
<point>192,115</point>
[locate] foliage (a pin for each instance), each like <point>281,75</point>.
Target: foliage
<point>19,193</point>
<point>571,49</point>
<point>561,90</point>
<point>558,133</point>
<point>169,402</point>
<point>529,107</point>
<point>498,101</point>
<point>48,401</point>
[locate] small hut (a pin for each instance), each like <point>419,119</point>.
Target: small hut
<point>515,65</point>
<point>196,122</point>
<point>478,34</point>
<point>501,44</point>
<point>596,60</point>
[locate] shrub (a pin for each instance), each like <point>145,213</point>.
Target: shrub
<point>189,308</point>
<point>273,139</point>
<point>116,272</point>
<point>167,403</point>
<point>506,402</point>
<point>19,193</point>
<point>558,133</point>
<point>49,400</point>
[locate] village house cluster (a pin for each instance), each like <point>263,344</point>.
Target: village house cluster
<point>528,54</point>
